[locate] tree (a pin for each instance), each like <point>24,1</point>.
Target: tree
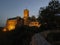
<point>54,5</point>
<point>47,14</point>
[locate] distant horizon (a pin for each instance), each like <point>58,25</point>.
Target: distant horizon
<point>13,8</point>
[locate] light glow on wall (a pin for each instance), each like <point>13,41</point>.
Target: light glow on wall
<point>11,27</point>
<point>11,24</point>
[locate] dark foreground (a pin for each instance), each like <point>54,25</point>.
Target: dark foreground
<point>23,36</point>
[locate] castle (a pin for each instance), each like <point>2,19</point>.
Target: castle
<point>12,23</point>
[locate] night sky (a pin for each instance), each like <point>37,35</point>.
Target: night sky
<point>13,8</point>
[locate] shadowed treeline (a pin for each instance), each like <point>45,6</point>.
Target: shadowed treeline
<point>20,36</point>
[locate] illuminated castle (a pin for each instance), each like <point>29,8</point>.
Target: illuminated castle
<point>26,16</point>
<point>12,23</point>
<point>27,21</point>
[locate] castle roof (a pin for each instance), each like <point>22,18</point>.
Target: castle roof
<point>14,18</point>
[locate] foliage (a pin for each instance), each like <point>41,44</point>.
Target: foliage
<point>48,13</point>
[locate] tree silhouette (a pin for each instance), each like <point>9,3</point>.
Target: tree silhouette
<point>47,14</point>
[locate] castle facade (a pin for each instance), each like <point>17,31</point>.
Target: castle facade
<point>12,23</point>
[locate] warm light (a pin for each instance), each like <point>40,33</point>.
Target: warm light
<point>26,13</point>
<point>11,24</point>
<point>11,27</point>
<point>4,30</point>
<point>34,24</point>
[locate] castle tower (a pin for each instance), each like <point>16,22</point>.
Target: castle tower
<point>26,16</point>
